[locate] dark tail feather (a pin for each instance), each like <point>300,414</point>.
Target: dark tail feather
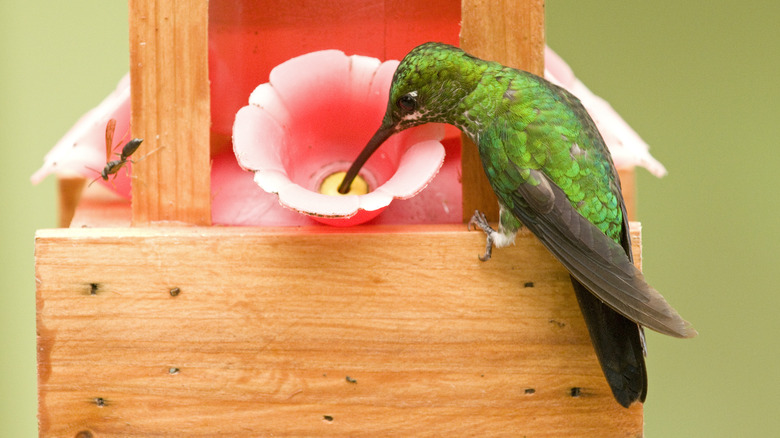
<point>619,346</point>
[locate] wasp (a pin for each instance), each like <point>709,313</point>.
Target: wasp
<point>113,166</point>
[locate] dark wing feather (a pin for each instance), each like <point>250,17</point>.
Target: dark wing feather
<point>618,342</point>
<point>619,346</point>
<point>595,260</point>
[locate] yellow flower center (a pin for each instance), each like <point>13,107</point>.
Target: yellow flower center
<point>330,185</point>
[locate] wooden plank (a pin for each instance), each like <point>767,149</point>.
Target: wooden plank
<point>170,111</point>
<point>510,32</point>
<point>68,195</point>
<point>265,325</point>
<point>628,187</point>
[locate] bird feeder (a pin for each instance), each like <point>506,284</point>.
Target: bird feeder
<point>152,322</point>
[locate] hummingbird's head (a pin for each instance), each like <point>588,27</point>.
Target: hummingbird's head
<point>428,86</point>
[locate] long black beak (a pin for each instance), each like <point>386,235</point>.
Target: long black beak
<point>382,134</point>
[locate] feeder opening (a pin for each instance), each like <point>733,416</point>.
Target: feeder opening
<point>330,185</point>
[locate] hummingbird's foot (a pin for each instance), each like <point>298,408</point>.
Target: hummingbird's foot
<point>479,220</point>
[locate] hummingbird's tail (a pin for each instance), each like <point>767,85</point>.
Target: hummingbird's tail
<point>619,347</point>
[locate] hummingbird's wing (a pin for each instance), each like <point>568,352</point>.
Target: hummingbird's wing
<point>617,340</point>
<point>595,260</point>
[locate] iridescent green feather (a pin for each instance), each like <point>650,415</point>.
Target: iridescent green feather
<point>534,131</point>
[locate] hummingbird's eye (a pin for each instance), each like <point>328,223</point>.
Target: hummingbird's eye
<point>408,102</point>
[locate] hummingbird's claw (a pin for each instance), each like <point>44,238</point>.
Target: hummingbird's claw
<point>488,250</point>
<point>479,220</point>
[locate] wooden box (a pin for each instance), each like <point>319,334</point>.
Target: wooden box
<point>172,327</point>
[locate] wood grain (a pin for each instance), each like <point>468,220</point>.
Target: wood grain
<point>628,187</point>
<point>267,324</point>
<point>170,111</point>
<point>69,191</point>
<point>510,32</point>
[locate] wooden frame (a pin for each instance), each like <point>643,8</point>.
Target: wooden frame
<point>204,331</point>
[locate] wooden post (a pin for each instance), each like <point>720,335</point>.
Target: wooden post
<point>170,111</point>
<point>512,33</point>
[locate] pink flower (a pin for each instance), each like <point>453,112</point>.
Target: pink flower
<point>313,118</point>
<point>82,151</point>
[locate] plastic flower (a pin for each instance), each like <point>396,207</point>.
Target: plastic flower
<point>312,119</point>
<point>82,151</point>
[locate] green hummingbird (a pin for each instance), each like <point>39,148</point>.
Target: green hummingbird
<point>552,173</point>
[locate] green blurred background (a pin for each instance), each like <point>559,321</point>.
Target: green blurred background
<point>697,79</point>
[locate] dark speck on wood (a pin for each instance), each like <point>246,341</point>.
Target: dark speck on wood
<point>558,323</point>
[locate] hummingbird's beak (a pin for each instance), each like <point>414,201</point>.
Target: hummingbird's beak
<point>383,133</point>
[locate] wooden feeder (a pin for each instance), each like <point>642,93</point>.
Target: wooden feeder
<point>172,327</point>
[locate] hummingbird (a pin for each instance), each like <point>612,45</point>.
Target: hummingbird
<point>552,173</point>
